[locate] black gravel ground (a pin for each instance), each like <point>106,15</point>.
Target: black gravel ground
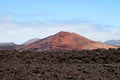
<point>99,64</point>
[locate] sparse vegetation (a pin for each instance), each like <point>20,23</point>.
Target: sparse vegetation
<point>99,64</point>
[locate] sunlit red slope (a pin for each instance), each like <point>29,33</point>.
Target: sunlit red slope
<point>66,41</point>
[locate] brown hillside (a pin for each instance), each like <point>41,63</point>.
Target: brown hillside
<point>66,41</point>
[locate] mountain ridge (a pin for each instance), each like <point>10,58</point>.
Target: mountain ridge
<point>113,42</point>
<point>66,41</point>
<point>30,41</point>
<point>8,46</point>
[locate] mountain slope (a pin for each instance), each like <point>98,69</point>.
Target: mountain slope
<point>30,41</point>
<point>113,42</point>
<point>7,46</point>
<point>66,41</point>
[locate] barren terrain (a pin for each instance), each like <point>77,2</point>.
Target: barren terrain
<point>99,64</point>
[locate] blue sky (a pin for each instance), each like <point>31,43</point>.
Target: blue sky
<point>21,20</point>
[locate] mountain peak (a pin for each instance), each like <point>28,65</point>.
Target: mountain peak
<point>63,33</point>
<point>65,40</point>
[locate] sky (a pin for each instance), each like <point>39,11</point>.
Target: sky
<point>21,20</point>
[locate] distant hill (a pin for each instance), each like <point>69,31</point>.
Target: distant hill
<point>66,41</point>
<point>30,41</point>
<point>113,42</point>
<point>8,46</point>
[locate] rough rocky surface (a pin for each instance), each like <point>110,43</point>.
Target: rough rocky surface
<point>99,64</point>
<point>66,41</point>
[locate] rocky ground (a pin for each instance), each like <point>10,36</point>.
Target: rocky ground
<point>99,64</point>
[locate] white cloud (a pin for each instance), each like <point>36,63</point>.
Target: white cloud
<point>5,19</point>
<point>11,31</point>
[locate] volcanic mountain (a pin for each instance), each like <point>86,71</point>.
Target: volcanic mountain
<point>65,41</point>
<point>30,41</point>
<point>113,42</point>
<point>8,46</point>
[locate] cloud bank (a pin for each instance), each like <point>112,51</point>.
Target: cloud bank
<point>18,32</point>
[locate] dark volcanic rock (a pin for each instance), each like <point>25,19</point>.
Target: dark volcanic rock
<point>99,64</point>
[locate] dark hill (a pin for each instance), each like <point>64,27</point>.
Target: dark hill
<point>8,46</point>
